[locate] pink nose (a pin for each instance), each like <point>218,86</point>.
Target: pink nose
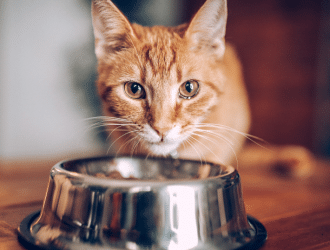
<point>161,129</point>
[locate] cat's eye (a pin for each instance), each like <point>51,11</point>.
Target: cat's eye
<point>189,89</point>
<point>134,90</point>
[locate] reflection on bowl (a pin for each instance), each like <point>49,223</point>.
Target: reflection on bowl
<point>150,204</point>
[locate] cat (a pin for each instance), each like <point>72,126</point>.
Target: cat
<point>171,91</point>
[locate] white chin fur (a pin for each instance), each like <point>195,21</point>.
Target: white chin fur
<point>162,149</point>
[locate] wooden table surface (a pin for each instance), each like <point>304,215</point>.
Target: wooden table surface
<point>295,212</point>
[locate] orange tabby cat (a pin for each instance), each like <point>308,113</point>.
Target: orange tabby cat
<point>171,91</point>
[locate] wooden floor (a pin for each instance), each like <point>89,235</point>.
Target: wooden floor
<point>282,204</point>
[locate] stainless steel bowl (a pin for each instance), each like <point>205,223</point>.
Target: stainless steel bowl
<point>155,204</point>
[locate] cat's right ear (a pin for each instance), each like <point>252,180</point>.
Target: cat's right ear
<point>112,31</point>
<point>208,27</point>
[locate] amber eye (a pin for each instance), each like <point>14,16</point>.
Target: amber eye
<point>188,89</point>
<point>134,90</point>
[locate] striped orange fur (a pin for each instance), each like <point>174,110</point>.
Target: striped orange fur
<point>171,89</point>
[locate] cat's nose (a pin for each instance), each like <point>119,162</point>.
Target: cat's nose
<point>161,129</point>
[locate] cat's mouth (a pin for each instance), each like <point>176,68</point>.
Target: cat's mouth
<point>162,148</point>
<point>161,145</point>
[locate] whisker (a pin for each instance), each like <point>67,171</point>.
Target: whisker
<point>227,142</point>
<point>111,124</point>
<point>106,121</point>
<point>220,126</point>
<point>207,146</point>
<point>104,125</point>
<point>107,118</point>
<point>135,145</point>
<point>216,135</point>
<point>212,129</point>
<point>110,120</point>
<point>127,142</point>
<point>199,155</point>
<point>129,132</point>
<point>250,137</point>
<point>117,128</point>
<point>148,155</point>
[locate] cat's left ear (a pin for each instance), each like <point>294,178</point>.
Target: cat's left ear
<point>112,31</point>
<point>208,27</point>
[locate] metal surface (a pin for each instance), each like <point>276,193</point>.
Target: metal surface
<point>175,204</point>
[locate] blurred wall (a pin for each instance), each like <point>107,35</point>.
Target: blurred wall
<point>285,57</point>
<point>47,74</point>
<point>322,104</point>
<point>41,112</point>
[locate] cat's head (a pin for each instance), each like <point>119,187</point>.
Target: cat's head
<point>162,80</point>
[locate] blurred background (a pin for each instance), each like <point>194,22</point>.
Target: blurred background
<point>48,69</point>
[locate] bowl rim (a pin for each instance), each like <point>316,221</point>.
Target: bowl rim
<point>58,169</point>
